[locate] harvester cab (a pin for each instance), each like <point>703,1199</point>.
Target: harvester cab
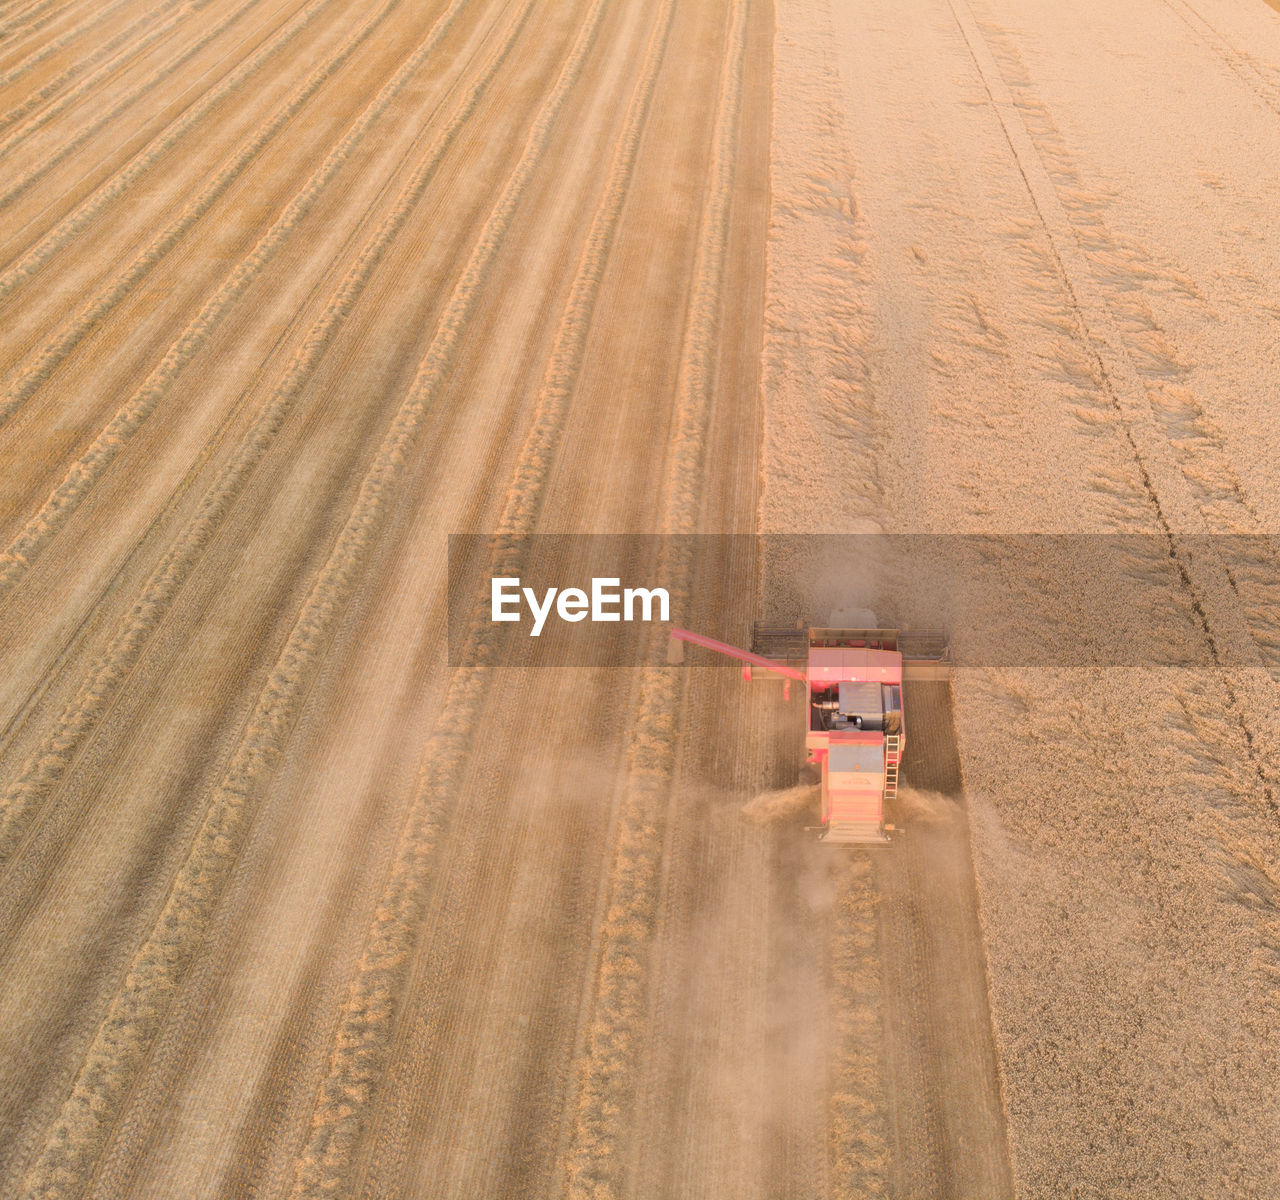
<point>856,728</point>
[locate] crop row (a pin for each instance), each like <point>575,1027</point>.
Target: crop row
<point>41,366</point>
<point>365,1033</point>
<point>78,720</point>
<point>858,1144</point>
<point>101,55</point>
<point>24,267</point>
<point>23,65</point>
<point>35,17</point>
<point>128,419</point>
<point>136,1012</point>
<point>617,1026</point>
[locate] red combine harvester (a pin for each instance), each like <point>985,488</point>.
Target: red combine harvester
<point>856,732</point>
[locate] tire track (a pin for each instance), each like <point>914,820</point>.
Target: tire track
<point>120,1046</point>
<point>362,1038</point>
<point>1249,691</point>
<point>920,1163</point>
<point>40,529</point>
<point>696,1097</point>
<point>617,1023</point>
<point>947,1121</point>
<point>46,766</point>
<point>139,1146</point>
<point>1128,274</point>
<point>20,269</point>
<point>36,371</point>
<point>441,1035</point>
<point>102,55</point>
<point>263,1158</point>
<point>1240,64</point>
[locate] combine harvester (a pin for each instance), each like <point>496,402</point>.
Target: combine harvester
<point>856,732</point>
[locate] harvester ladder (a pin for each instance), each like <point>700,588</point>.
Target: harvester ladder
<point>892,753</point>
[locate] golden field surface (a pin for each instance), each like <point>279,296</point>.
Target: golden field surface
<point>291,290</point>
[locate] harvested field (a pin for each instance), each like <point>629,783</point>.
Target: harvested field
<point>293,905</point>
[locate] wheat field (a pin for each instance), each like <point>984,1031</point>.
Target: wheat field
<point>293,904</point>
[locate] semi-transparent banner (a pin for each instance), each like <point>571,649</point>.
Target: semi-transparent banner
<point>1067,600</point>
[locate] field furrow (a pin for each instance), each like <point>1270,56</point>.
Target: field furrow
<point>24,261</point>
<point>77,721</point>
<point>618,1004</point>
<point>36,372</point>
<point>55,510</point>
<point>101,58</point>
<point>11,73</point>
<point>31,19</point>
<point>360,1043</point>
<point>522,502</point>
<point>159,964</point>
